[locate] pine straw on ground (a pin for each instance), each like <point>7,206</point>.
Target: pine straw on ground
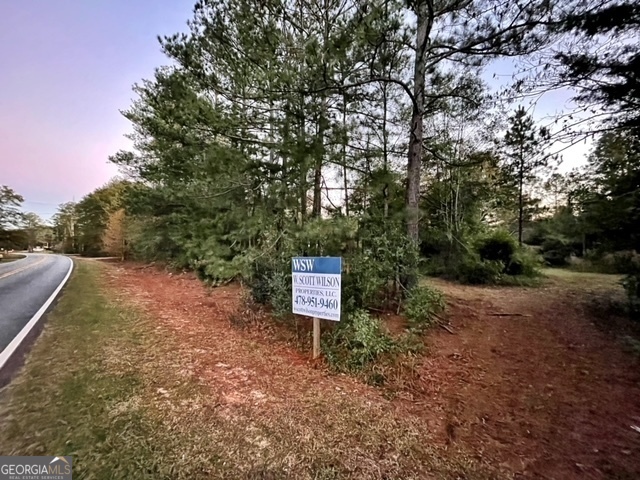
<point>140,375</point>
<point>293,418</point>
<point>533,382</point>
<point>539,394</point>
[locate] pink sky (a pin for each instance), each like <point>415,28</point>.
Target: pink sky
<point>66,69</point>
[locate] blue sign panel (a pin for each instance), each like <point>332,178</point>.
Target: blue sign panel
<point>316,285</point>
<point>331,265</point>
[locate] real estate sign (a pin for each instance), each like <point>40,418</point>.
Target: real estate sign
<point>317,282</point>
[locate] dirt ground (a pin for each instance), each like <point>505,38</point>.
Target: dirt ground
<point>545,393</point>
<point>526,383</point>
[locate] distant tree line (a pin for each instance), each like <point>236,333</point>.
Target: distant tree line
<point>20,230</point>
<point>94,226</point>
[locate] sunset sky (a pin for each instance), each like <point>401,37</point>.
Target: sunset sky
<point>66,69</point>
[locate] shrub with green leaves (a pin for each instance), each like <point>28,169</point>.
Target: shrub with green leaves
<point>422,305</point>
<point>524,262</point>
<point>363,282</point>
<point>280,288</point>
<point>373,277</point>
<point>497,258</point>
<point>631,285</point>
<point>269,282</point>
<point>358,340</point>
<point>374,263</point>
<point>498,246</point>
<point>556,251</point>
<point>475,271</point>
<point>625,261</point>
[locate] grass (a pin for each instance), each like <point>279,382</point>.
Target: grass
<point>521,281</point>
<point>104,385</point>
<point>77,393</point>
<point>6,258</point>
<point>86,391</point>
<point>572,278</point>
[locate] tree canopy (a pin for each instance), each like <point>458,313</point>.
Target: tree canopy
<point>301,127</point>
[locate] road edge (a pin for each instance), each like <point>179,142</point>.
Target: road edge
<point>10,349</point>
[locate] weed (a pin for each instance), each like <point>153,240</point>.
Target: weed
<point>422,306</point>
<point>357,342</point>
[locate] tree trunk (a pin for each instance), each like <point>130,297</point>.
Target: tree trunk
<point>413,176</point>
<point>319,152</point>
<point>520,199</point>
<point>317,188</point>
<point>302,143</point>
<point>302,137</point>
<point>520,216</point>
<point>385,149</point>
<point>317,169</point>
<point>345,139</point>
<point>424,22</point>
<point>367,178</point>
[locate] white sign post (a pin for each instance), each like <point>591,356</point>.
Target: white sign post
<point>316,285</point>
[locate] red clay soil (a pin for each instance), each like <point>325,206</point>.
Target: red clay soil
<point>540,394</point>
<point>544,392</point>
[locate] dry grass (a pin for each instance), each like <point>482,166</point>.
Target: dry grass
<point>10,257</point>
<point>109,384</point>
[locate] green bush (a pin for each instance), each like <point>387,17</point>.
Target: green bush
<point>498,246</point>
<point>556,251</point>
<point>372,275</point>
<point>623,262</point>
<point>214,270</point>
<point>524,262</point>
<point>365,283</point>
<point>357,341</point>
<point>631,285</point>
<point>259,280</point>
<point>494,258</point>
<point>626,262</point>
<point>270,283</point>
<point>555,258</point>
<point>474,271</point>
<point>372,270</point>
<point>280,287</point>
<point>434,267</point>
<point>258,284</point>
<point>422,306</point>
<point>538,232</point>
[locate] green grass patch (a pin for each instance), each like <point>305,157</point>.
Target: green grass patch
<point>572,278</point>
<point>84,392</point>
<point>521,281</point>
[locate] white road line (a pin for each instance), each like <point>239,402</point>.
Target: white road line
<point>15,343</point>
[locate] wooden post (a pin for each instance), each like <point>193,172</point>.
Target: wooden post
<point>316,337</point>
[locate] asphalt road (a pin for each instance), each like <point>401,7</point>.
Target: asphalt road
<point>26,285</point>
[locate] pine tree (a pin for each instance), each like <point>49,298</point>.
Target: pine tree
<point>524,157</point>
<point>10,202</point>
<point>268,105</point>
<point>600,58</point>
